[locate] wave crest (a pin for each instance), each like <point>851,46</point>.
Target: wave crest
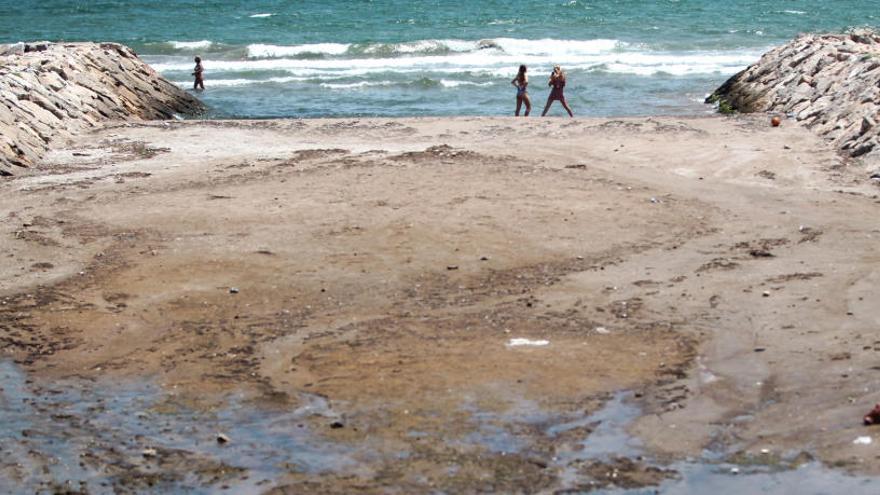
<point>191,45</point>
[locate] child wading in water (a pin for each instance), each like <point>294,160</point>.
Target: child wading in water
<point>557,82</point>
<point>199,83</point>
<point>521,82</point>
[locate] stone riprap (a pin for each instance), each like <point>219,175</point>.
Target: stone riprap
<point>50,91</point>
<point>830,83</point>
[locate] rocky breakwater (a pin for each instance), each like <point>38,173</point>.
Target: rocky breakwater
<point>50,91</point>
<point>830,83</point>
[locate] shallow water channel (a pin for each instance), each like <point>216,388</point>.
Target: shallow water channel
<point>81,436</point>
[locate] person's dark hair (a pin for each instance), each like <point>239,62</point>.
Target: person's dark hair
<point>198,60</point>
<point>522,69</point>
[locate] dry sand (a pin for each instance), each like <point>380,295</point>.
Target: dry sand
<point>724,271</point>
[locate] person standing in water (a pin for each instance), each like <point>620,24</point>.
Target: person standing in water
<point>557,82</point>
<point>199,83</point>
<point>521,82</point>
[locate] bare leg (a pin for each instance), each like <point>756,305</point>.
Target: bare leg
<point>547,107</point>
<point>519,102</point>
<point>566,107</point>
<point>528,102</point>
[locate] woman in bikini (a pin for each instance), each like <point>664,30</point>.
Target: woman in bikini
<point>557,82</point>
<point>521,82</point>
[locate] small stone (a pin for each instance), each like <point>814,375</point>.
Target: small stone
<point>867,124</point>
<point>484,258</point>
<point>766,293</point>
<point>148,453</point>
<point>233,290</point>
<point>337,425</point>
<point>452,267</point>
<point>222,438</point>
<point>760,349</point>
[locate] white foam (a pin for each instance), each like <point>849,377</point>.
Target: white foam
<point>424,46</point>
<point>549,47</point>
<point>260,16</point>
<point>278,51</point>
<point>190,45</point>
<point>527,342</point>
<point>446,83</point>
<point>361,84</point>
<point>242,82</point>
<point>498,61</point>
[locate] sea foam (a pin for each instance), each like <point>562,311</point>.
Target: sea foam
<point>277,51</point>
<point>190,45</point>
<point>490,62</point>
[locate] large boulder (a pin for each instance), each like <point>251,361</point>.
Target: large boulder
<point>829,83</point>
<point>49,91</point>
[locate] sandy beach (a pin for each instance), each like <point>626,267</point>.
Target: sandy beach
<point>719,273</point>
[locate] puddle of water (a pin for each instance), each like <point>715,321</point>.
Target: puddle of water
<point>85,436</point>
<point>46,436</point>
<point>609,439</point>
<point>809,479</point>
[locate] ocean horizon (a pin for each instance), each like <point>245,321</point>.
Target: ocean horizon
<point>275,58</point>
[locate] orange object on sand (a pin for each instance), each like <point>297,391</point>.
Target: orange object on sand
<point>775,121</point>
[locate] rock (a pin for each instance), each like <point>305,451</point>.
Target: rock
<point>222,439</point>
<point>873,416</point>
<point>148,453</point>
<point>867,125</point>
<point>233,290</point>
<point>829,83</point>
<point>337,425</point>
<point>51,91</point>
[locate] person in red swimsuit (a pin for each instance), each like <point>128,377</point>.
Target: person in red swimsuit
<point>557,82</point>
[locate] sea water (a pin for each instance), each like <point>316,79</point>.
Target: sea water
<point>309,58</point>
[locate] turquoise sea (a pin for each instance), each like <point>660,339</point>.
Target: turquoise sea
<point>308,58</point>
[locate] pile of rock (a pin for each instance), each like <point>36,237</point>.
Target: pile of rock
<point>829,83</point>
<point>50,91</point>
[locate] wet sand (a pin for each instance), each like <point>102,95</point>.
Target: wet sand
<point>340,298</point>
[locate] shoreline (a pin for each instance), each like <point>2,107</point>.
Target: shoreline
<point>385,265</point>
